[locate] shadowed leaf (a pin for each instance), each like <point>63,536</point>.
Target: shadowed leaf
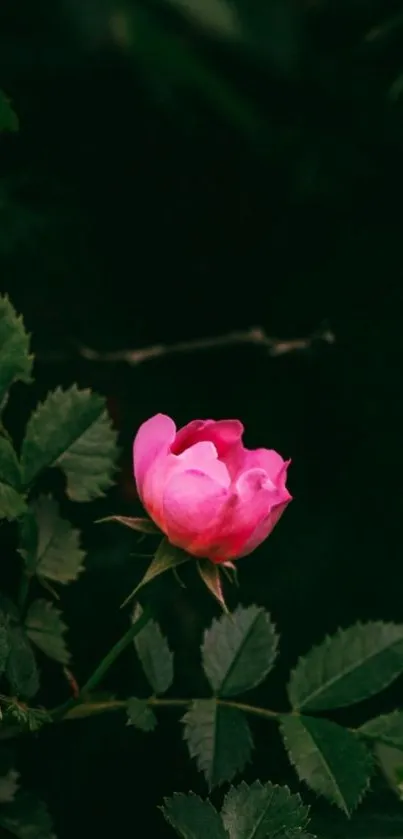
<point>72,430</point>
<point>331,760</point>
<point>15,358</point>
<point>46,629</point>
<point>166,559</point>
<point>49,544</point>
<point>140,714</point>
<point>21,669</point>
<point>348,667</point>
<point>218,738</point>
<point>192,817</point>
<point>263,811</point>
<point>239,650</point>
<point>155,656</point>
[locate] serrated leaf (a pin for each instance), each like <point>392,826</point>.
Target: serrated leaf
<point>8,786</point>
<point>32,719</point>
<point>27,818</point>
<point>8,117</point>
<point>263,811</point>
<point>239,650</point>
<point>71,429</point>
<point>141,525</point>
<point>49,544</point>
<point>167,558</point>
<point>348,667</point>
<point>331,760</point>
<point>12,504</point>
<point>210,574</point>
<point>140,714</point>
<point>387,728</point>
<point>21,669</point>
<point>15,360</point>
<point>218,738</point>
<point>46,630</point>
<point>9,467</point>
<point>193,818</point>
<point>155,656</point>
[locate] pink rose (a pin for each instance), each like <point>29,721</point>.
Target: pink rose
<point>204,490</point>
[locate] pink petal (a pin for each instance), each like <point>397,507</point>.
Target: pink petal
<point>203,457</point>
<point>266,459</point>
<point>154,437</point>
<point>250,502</point>
<point>205,490</point>
<point>224,434</point>
<point>239,459</point>
<point>188,435</point>
<point>192,501</point>
<point>264,528</point>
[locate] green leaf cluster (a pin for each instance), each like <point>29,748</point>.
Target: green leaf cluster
<point>258,811</point>
<point>238,652</point>
<point>347,668</point>
<point>71,431</point>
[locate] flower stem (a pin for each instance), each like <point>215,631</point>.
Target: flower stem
<point>115,652</point>
<point>103,667</point>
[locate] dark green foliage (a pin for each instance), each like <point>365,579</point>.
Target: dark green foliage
<point>330,759</point>
<point>218,738</point>
<point>239,650</point>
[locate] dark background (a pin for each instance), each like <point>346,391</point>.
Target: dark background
<point>170,183</point>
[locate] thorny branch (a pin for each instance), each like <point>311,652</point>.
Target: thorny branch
<point>255,336</point>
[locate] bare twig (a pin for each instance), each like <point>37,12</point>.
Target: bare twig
<point>255,336</point>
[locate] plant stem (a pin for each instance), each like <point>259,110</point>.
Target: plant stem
<point>104,665</point>
<point>251,709</point>
<point>169,703</point>
<point>116,650</point>
<point>88,709</point>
